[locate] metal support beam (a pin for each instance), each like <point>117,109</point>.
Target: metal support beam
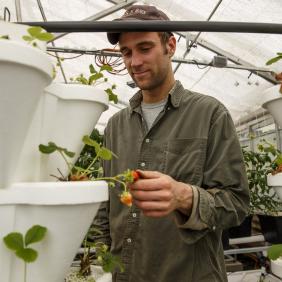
<point>18,10</point>
<point>246,250</point>
<point>123,26</point>
<point>197,36</point>
<point>101,15</point>
<point>230,57</point>
<point>174,59</point>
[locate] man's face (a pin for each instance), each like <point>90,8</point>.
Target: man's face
<point>146,59</point>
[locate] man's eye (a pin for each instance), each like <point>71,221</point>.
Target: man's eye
<point>145,49</point>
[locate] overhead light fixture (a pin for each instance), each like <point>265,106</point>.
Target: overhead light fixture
<point>219,61</point>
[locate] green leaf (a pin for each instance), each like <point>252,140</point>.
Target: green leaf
<point>4,37</point>
<point>82,80</point>
<point>48,149</point>
<point>112,97</point>
<point>52,147</point>
<point>106,67</point>
<point>275,251</point>
<point>110,262</point>
<point>27,254</point>
<point>106,154</point>
<point>273,60</point>
<point>45,36</point>
<point>90,142</point>
<point>35,234</point>
<point>14,241</point>
<point>92,69</point>
<point>27,38</point>
<point>95,77</point>
<point>34,30</point>
<point>68,153</point>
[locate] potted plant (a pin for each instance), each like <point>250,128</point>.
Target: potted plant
<point>274,253</point>
<point>63,208</point>
<point>264,200</point>
<point>88,167</point>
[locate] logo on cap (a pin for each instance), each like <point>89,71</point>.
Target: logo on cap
<point>135,11</point>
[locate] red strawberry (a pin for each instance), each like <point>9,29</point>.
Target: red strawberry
<point>135,174</point>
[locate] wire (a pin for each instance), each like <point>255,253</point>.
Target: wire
<point>116,63</point>
<point>7,13</point>
<point>201,68</point>
<point>65,58</point>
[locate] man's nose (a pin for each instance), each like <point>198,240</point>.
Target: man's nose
<point>136,60</point>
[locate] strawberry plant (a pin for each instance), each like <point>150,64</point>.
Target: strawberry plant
<point>97,77</point>
<point>20,244</point>
<point>37,33</point>
<point>90,169</point>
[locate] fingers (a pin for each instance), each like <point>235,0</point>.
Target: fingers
<point>149,181</point>
<point>149,174</point>
<point>154,208</point>
<point>155,195</point>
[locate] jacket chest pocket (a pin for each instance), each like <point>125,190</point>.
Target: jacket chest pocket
<point>184,159</point>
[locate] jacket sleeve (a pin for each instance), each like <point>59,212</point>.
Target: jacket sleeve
<point>223,198</point>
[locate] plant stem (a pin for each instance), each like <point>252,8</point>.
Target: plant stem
<point>65,159</point>
<point>25,272</point>
<point>112,179</point>
<point>92,162</point>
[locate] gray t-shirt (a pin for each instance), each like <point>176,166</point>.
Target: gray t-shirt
<point>151,111</point>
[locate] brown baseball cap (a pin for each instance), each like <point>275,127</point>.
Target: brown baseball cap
<point>140,13</point>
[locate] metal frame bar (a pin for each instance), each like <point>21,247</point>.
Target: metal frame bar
<point>232,58</point>
<point>174,59</point>
<point>188,49</point>
<point>246,250</point>
<point>101,15</point>
<point>123,26</point>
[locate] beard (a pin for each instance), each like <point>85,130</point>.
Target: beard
<point>153,80</point>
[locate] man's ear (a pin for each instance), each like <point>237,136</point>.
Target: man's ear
<point>171,46</point>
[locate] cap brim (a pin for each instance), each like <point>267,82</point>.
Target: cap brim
<point>113,37</point>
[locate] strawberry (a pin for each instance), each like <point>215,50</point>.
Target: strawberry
<point>126,198</point>
<point>79,177</point>
<point>135,174</point>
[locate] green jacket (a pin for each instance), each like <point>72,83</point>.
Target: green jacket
<point>194,141</point>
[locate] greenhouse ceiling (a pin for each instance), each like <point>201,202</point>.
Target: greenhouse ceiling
<point>239,85</point>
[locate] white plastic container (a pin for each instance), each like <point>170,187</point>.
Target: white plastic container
<point>24,73</point>
<point>65,113</point>
<point>275,181</point>
<point>272,101</point>
<point>70,112</point>
<point>65,208</point>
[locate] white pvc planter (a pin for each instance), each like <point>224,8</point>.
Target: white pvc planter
<point>24,73</point>
<point>272,101</point>
<point>70,112</point>
<point>65,208</point>
<point>64,115</point>
<point>275,181</point>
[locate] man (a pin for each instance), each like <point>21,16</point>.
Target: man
<point>193,183</point>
